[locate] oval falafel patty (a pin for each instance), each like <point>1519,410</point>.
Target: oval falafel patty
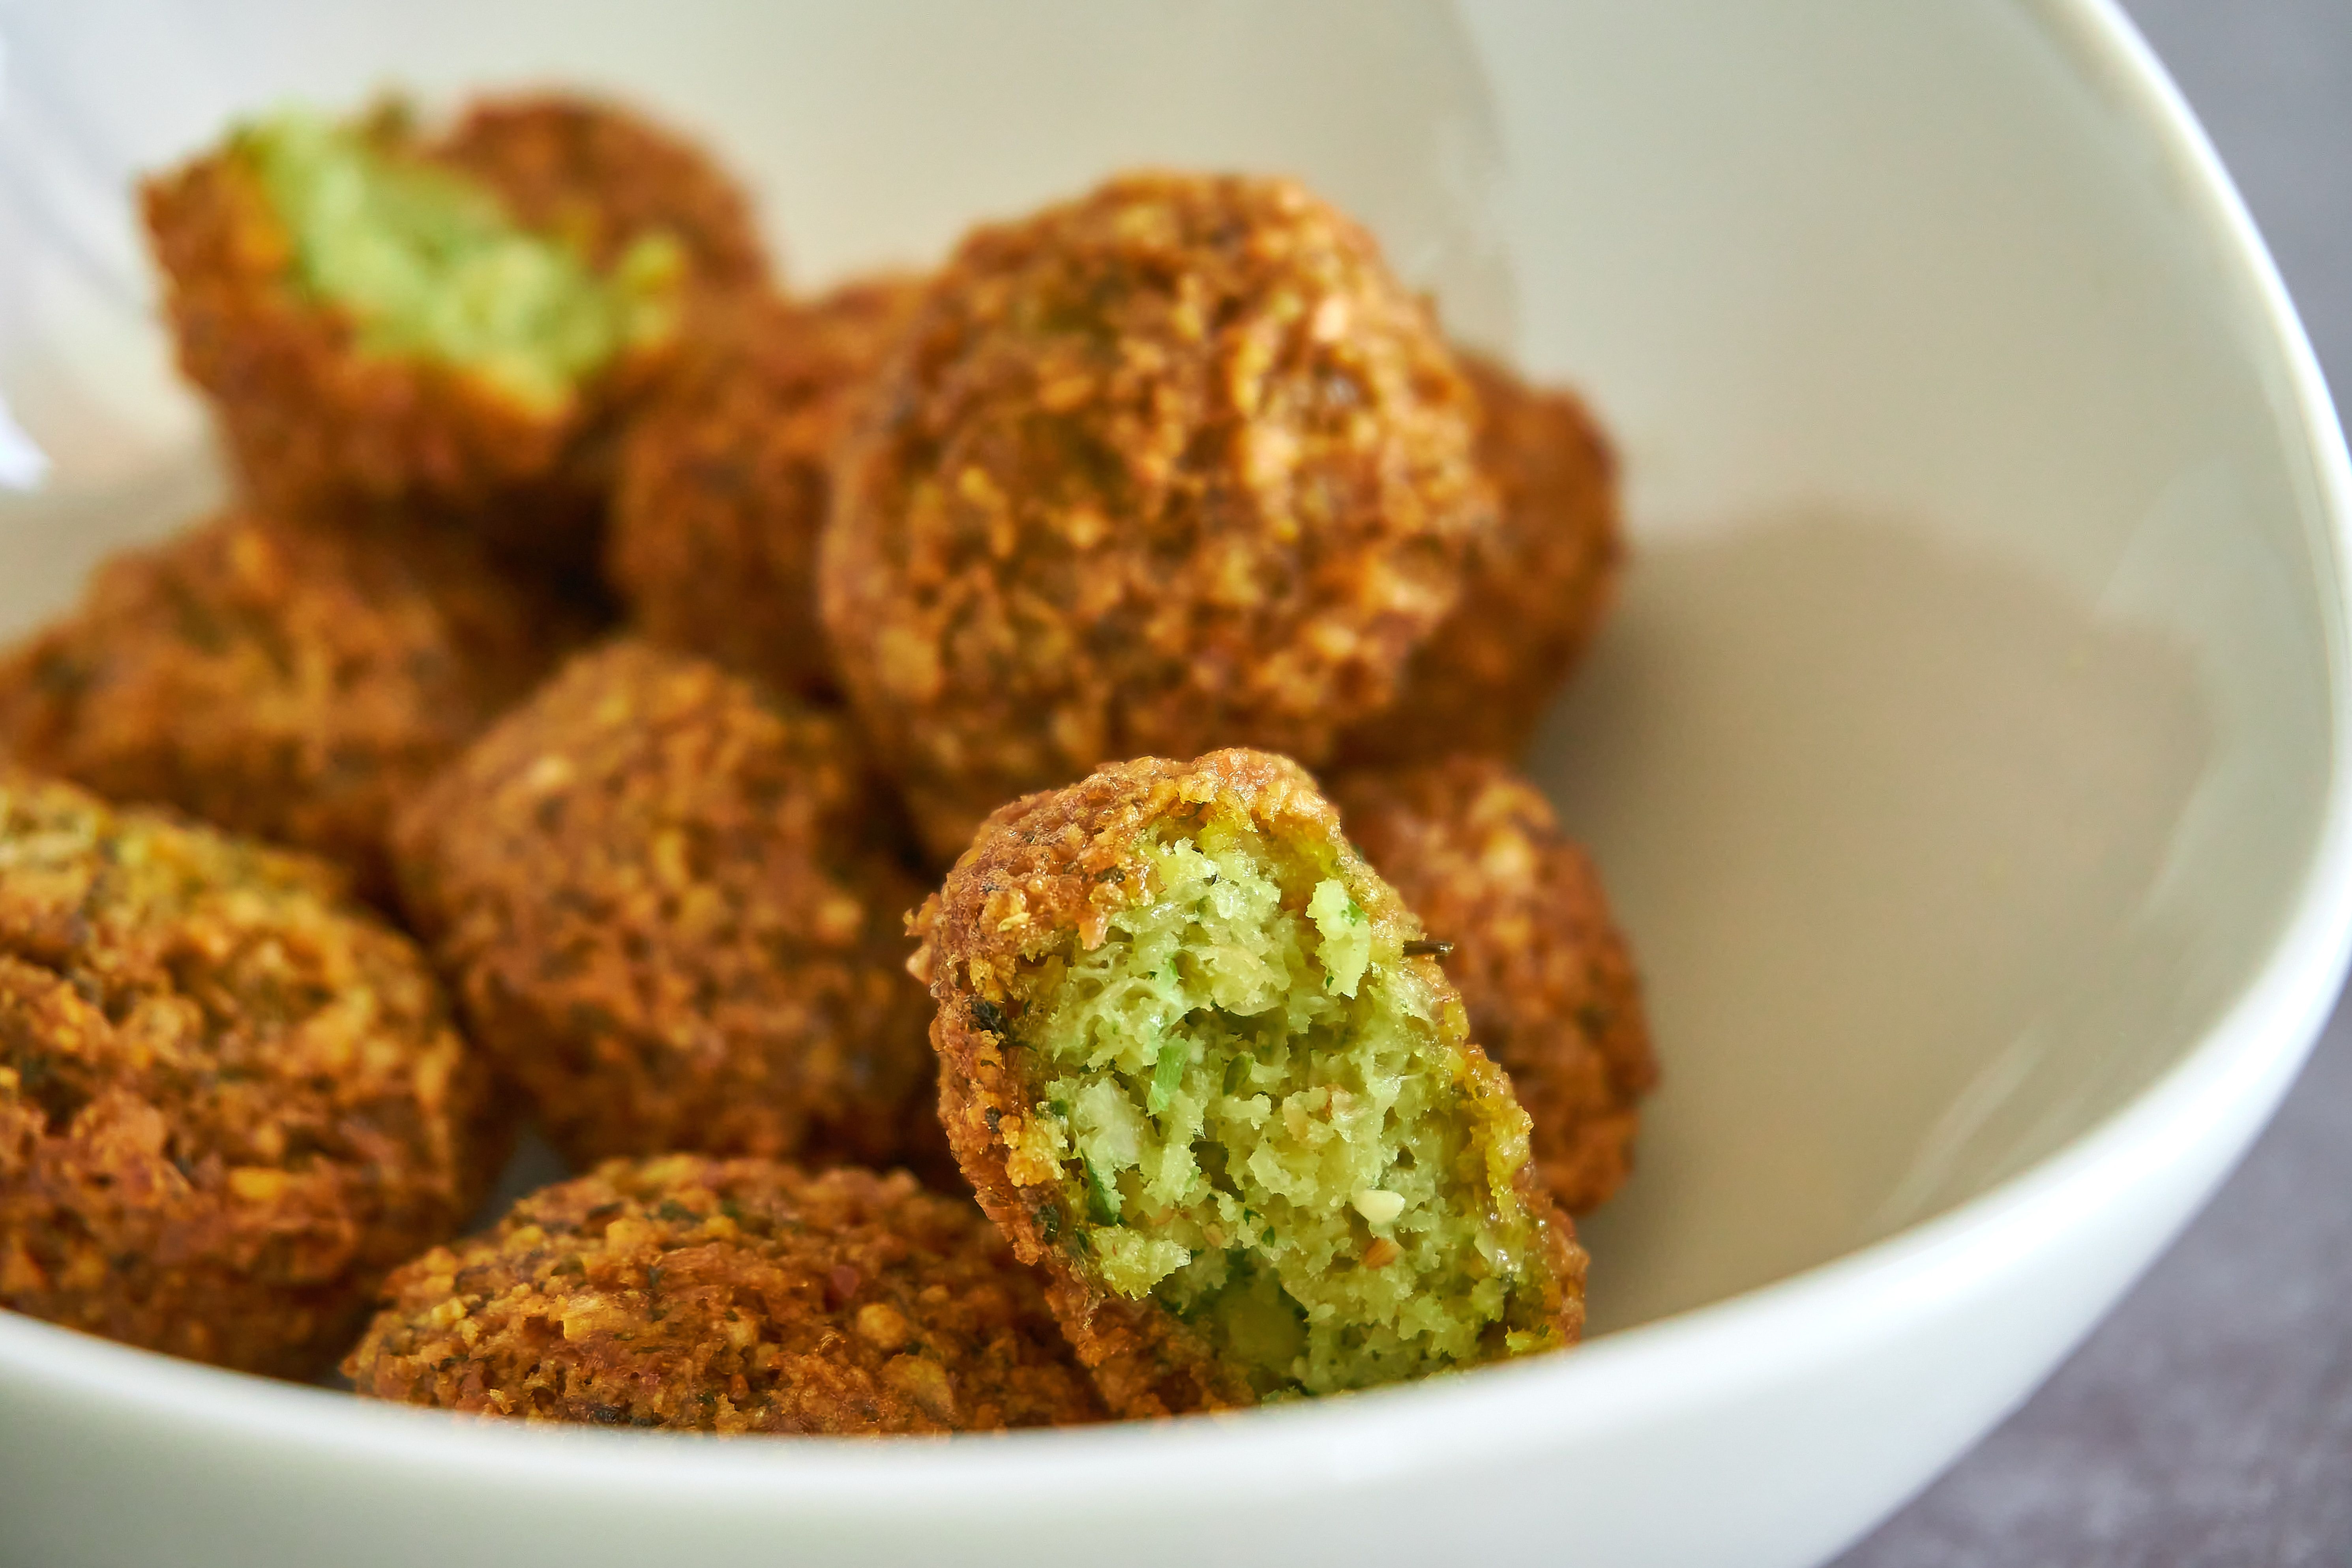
<point>1193,1062</point>
<point>375,320</point>
<point>730,1296</point>
<point>671,909</point>
<point>296,683</point>
<point>1535,588</point>
<point>1544,972</point>
<point>725,478</point>
<point>1175,466</point>
<point>230,1101</point>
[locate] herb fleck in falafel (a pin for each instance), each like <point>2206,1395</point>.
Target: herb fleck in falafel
<point>1189,1065</point>
<point>1534,590</point>
<point>730,1296</point>
<point>296,683</point>
<point>230,1102</point>
<point>1174,466</point>
<point>725,478</point>
<point>1546,975</point>
<point>671,909</point>
<point>376,318</point>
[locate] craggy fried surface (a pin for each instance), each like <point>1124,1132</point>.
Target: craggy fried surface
<point>669,910</point>
<point>730,1296</point>
<point>230,1102</point>
<point>296,683</point>
<point>1534,590</point>
<point>1057,863</point>
<point>1174,466</point>
<point>1550,987</point>
<point>311,423</point>
<point>725,478</point>
<point>599,177</point>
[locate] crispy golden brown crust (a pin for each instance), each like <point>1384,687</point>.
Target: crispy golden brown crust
<point>1175,466</point>
<point>230,1102</point>
<point>1534,592</point>
<point>1545,973</point>
<point>669,910</point>
<point>725,478</point>
<point>1063,861</point>
<point>600,176</point>
<point>313,424</point>
<point>730,1296</point>
<point>296,683</point>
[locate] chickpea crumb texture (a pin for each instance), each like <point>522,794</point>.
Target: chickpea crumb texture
<point>725,478</point>
<point>1544,972</point>
<point>670,907</point>
<point>1194,1070</point>
<point>1174,466</point>
<point>456,324</point>
<point>1535,591</point>
<point>293,682</point>
<point>730,1296</point>
<point>230,1101</point>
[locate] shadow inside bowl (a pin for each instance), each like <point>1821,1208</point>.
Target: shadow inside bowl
<point>1883,819</point>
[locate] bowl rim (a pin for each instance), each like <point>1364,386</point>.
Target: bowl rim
<point>2217,1095</point>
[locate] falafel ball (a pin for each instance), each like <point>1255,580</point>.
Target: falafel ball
<point>671,909</point>
<point>374,322</point>
<point>1544,972</point>
<point>1535,589</point>
<point>230,1101</point>
<point>725,478</point>
<point>1193,1064</point>
<point>730,1296</point>
<point>1175,466</point>
<point>296,683</point>
<point>598,177</point>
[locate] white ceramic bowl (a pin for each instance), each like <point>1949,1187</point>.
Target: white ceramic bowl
<point>1968,758</point>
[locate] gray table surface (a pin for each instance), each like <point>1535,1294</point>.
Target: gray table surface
<point>2209,1421</point>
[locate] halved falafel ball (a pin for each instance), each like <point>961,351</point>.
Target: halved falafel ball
<point>374,322</point>
<point>1174,466</point>
<point>1548,982</point>
<point>1192,1064</point>
<point>725,478</point>
<point>1534,590</point>
<point>230,1101</point>
<point>293,682</point>
<point>671,909</point>
<point>730,1296</point>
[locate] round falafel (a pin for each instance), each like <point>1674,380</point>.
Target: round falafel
<point>599,177</point>
<point>295,683</point>
<point>230,1102</point>
<point>1535,589</point>
<point>730,1296</point>
<point>725,478</point>
<point>1174,466</point>
<point>670,907</point>
<point>1547,977</point>
<point>374,322</point>
<point>1195,1064</point>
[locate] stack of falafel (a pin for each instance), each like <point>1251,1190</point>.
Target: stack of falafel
<point>345,832</point>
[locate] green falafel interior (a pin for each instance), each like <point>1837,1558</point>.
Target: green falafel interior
<point>1273,1125</point>
<point>429,264</point>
